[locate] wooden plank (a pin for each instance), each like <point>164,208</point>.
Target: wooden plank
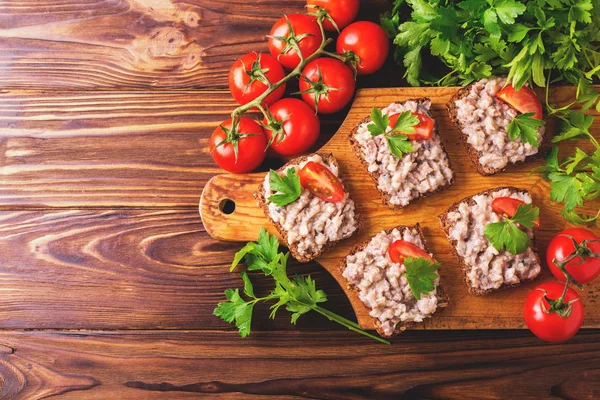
<point>109,149</point>
<point>135,43</point>
<point>101,365</point>
<point>131,269</point>
<point>465,311</point>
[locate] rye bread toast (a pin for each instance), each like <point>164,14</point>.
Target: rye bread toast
<point>442,296</point>
<point>263,203</point>
<point>474,155</point>
<point>446,227</point>
<point>385,197</point>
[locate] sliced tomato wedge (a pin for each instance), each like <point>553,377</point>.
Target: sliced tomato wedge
<point>321,182</point>
<point>401,249</point>
<point>508,206</point>
<point>423,130</point>
<point>524,100</point>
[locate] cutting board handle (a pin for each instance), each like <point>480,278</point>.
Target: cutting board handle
<point>227,203</point>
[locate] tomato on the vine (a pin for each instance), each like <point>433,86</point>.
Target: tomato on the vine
<point>248,139</point>
<point>545,322</point>
<point>294,30</point>
<point>583,262</point>
<point>295,126</point>
<point>327,85</point>
<point>368,42</point>
<point>401,249</point>
<point>250,76</point>
<point>423,130</point>
<point>321,182</point>
<point>341,11</point>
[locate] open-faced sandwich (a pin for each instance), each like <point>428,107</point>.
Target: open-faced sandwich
<point>395,277</point>
<point>308,204</point>
<point>400,147</point>
<point>499,125</point>
<point>492,236</point>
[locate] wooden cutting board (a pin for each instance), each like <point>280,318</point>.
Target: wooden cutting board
<point>501,310</point>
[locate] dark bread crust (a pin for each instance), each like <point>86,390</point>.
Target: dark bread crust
<point>474,154</point>
<point>441,294</point>
<point>446,226</point>
<point>385,198</point>
<point>263,203</point>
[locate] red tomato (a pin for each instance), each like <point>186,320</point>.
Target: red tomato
<point>332,84</point>
<point>368,41</point>
<point>401,249</point>
<point>524,100</point>
<point>550,326</point>
<point>244,78</point>
<point>508,206</point>
<point>300,126</point>
<point>251,149</point>
<point>321,182</point>
<point>281,34</point>
<point>341,11</point>
<point>423,130</point>
<point>582,269</point>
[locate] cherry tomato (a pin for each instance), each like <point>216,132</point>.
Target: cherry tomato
<point>524,100</point>
<point>401,249</point>
<point>341,11</point>
<point>550,326</point>
<point>561,246</point>
<point>423,130</point>
<point>321,182</point>
<point>368,41</point>
<point>251,149</point>
<point>244,78</point>
<point>300,24</point>
<point>332,84</point>
<point>508,206</point>
<point>300,126</point>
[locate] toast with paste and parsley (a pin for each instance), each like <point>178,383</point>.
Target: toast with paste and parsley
<point>390,290</point>
<point>308,225</point>
<point>484,267</point>
<point>413,169</point>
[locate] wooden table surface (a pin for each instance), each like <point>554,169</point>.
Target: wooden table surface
<point>108,279</point>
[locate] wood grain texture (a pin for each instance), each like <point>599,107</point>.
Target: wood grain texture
<point>110,149</point>
<point>135,43</point>
<point>465,311</point>
<point>335,365</point>
<point>131,269</point>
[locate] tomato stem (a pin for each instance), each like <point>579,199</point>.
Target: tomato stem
<point>258,101</point>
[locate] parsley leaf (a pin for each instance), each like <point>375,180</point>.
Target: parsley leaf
<point>525,127</point>
<point>299,295</point>
<point>420,274</point>
<point>399,144</point>
<point>506,235</point>
<point>289,187</point>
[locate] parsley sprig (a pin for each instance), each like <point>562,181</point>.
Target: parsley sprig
<point>420,274</point>
<point>298,295</point>
<point>542,42</point>
<point>399,144</point>
<point>288,187</point>
<point>507,235</point>
<point>525,127</point>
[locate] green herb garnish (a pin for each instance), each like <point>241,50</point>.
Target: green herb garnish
<point>526,127</point>
<point>288,186</point>
<point>299,295</point>
<point>420,274</point>
<point>399,144</point>
<point>507,235</point>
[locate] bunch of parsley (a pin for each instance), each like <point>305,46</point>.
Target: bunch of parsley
<point>299,295</point>
<point>540,42</point>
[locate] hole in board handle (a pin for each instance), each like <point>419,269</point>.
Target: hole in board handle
<point>227,206</point>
